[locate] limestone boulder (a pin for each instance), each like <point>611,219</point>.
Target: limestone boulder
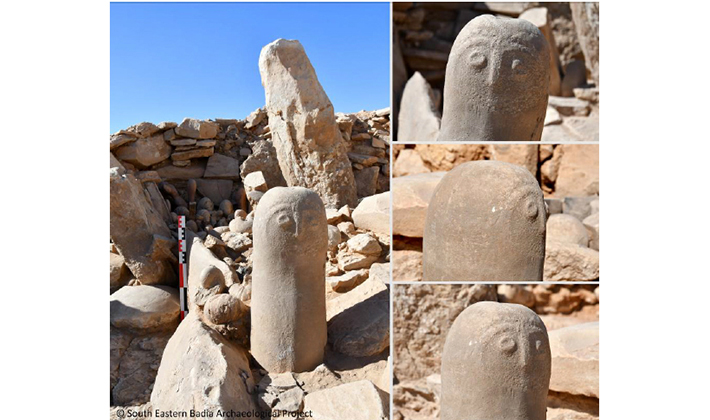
<point>308,143</point>
<point>579,170</point>
<point>134,365</point>
<point>347,281</point>
<point>586,21</point>
<point>410,200</point>
<point>540,17</point>
<point>591,223</point>
<point>525,155</point>
<point>419,119</point>
<point>579,207</point>
<point>202,370</point>
<point>199,258</point>
<point>380,272</point>
<point>360,400</point>
<point>145,152</point>
<point>444,157</point>
<point>264,158</point>
<point>222,167</point>
<point>409,162</point>
<point>139,233</point>
<point>567,229</point>
<point>575,359</point>
<point>358,323</point>
<point>373,214</point>
<point>145,308</point>
<point>197,129</point>
<point>119,271</point>
<point>366,180</point>
<point>570,262</point>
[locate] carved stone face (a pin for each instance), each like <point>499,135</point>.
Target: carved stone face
<point>290,218</point>
<point>485,222</point>
<point>496,364</point>
<point>496,83</point>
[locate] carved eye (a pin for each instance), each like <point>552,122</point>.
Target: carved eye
<point>538,345</point>
<point>478,60</point>
<point>507,345</point>
<point>518,67</point>
<point>531,209</point>
<point>284,220</point>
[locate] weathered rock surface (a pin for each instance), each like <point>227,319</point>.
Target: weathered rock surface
<point>567,229</point>
<point>591,223</point>
<point>409,163</point>
<point>199,259</point>
<point>145,308</point>
<point>145,152</point>
<point>139,233</point>
<point>118,270</point>
<point>569,262</point>
<point>586,22</point>
<point>363,328</point>
<point>575,359</point>
<point>357,401</point>
<point>264,158</point>
<point>202,370</point>
<point>418,116</point>
<point>410,199</point>
<point>579,171</point>
<point>197,129</point>
<point>222,167</point>
<point>423,314</point>
<point>407,265</point>
<point>373,213</point>
<point>308,143</point>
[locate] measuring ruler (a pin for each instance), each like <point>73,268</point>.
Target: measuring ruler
<point>182,249</point>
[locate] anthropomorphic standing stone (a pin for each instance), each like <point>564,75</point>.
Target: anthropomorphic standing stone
<point>308,143</point>
<point>497,80</point>
<point>485,222</point>
<point>496,364</point>
<point>288,315</point>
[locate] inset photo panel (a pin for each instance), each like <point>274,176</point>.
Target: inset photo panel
<point>495,212</point>
<point>488,72</point>
<point>505,351</point>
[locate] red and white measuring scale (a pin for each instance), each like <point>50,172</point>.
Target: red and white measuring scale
<point>182,266</point>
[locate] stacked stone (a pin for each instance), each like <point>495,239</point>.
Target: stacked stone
<point>367,138</point>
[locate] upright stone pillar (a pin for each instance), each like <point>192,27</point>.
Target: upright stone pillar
<point>496,84</point>
<point>288,318</point>
<point>496,364</point>
<point>307,140</point>
<point>485,222</point>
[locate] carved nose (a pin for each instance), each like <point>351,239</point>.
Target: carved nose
<point>493,74</point>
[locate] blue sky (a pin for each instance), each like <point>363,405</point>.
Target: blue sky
<point>175,60</point>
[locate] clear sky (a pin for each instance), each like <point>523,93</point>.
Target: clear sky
<point>175,60</point>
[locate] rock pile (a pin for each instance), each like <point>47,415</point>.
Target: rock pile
<point>568,175</point>
<point>424,36</point>
<point>424,313</point>
<point>215,173</point>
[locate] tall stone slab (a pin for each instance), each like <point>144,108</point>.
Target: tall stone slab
<point>496,364</point>
<point>288,314</point>
<point>496,84</point>
<point>418,116</point>
<point>308,143</point>
<point>139,233</point>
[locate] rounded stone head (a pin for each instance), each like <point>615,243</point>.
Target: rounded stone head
<point>291,219</point>
<point>497,79</point>
<point>496,364</point>
<point>485,222</point>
